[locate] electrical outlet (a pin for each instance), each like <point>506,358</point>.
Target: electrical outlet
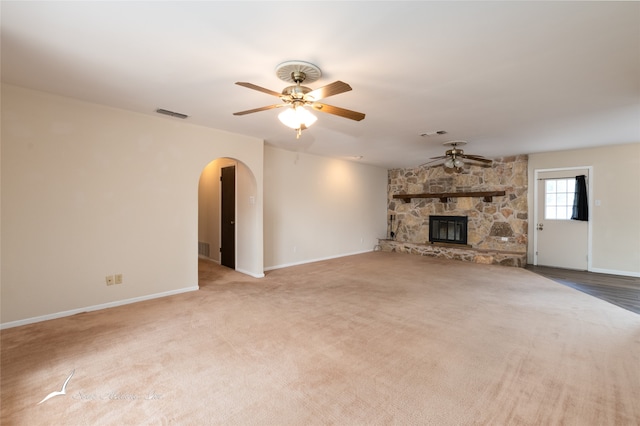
<point>109,279</point>
<point>503,239</point>
<point>118,278</point>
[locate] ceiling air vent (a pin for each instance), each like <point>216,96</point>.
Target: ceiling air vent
<point>171,113</point>
<point>433,133</point>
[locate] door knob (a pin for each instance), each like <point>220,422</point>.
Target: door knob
<point>232,222</point>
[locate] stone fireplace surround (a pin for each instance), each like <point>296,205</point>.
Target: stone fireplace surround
<point>497,226</point>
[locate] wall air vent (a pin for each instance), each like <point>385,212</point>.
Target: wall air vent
<point>171,113</point>
<point>203,249</point>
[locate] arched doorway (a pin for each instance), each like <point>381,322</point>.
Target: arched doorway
<point>229,228</point>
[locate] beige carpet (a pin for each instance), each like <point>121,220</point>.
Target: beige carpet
<point>373,339</point>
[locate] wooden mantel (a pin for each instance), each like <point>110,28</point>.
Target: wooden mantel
<point>444,196</point>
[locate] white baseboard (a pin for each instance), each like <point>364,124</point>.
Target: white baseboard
<point>286,265</point>
<point>615,272</point>
<point>95,307</point>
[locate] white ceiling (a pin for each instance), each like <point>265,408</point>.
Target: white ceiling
<point>509,77</point>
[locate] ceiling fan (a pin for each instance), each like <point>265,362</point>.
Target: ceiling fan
<point>297,97</point>
<point>454,157</point>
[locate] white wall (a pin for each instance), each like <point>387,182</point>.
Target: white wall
<point>616,221</point>
<point>90,191</point>
<point>318,208</point>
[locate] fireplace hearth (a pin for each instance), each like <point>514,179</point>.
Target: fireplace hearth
<point>448,229</point>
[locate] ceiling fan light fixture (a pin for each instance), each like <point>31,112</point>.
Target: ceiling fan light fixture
<point>458,163</point>
<point>296,117</point>
<point>449,163</point>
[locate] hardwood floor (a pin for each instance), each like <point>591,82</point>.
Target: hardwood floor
<point>620,290</point>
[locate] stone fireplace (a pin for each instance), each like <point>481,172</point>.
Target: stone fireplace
<point>493,198</point>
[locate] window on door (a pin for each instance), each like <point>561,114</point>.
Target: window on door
<point>559,195</point>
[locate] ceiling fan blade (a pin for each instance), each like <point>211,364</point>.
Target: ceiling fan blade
<point>334,88</point>
<point>432,161</point>
<point>477,158</point>
<point>342,112</point>
<point>264,108</point>
<point>258,88</point>
<point>438,158</point>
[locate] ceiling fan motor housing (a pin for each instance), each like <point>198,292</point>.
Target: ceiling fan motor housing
<point>296,92</point>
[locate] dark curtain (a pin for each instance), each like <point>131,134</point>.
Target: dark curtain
<point>580,203</point>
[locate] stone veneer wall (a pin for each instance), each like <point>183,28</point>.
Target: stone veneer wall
<point>489,222</point>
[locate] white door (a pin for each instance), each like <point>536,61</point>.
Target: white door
<point>560,241</point>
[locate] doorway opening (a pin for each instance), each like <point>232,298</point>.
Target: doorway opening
<point>217,212</point>
<point>230,217</point>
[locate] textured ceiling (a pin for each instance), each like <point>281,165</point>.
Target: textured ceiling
<point>509,77</point>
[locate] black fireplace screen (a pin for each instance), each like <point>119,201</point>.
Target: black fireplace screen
<point>448,229</point>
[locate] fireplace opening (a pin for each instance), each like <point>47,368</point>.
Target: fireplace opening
<point>448,229</point>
